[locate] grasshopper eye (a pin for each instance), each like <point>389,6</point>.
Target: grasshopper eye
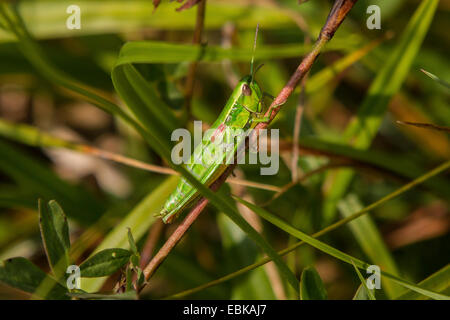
<point>246,90</point>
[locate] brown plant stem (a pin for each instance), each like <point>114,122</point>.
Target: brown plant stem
<point>150,244</point>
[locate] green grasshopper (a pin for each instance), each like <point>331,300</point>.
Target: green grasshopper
<point>243,110</point>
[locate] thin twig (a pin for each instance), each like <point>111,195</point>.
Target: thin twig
<point>425,125</point>
<point>297,124</point>
<point>300,179</point>
<point>328,166</point>
<point>296,135</point>
<point>165,170</point>
<point>344,160</point>
<point>31,136</point>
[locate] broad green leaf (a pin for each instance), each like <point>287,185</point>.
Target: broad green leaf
<point>438,282</point>
<point>311,285</point>
<point>104,263</point>
<point>332,251</point>
<point>20,273</point>
<point>368,292</point>
<point>55,236</point>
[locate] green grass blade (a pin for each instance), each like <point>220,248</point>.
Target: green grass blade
<point>437,79</point>
<point>438,282</point>
<point>363,283</point>
<point>143,101</point>
<point>302,236</point>
<point>163,52</point>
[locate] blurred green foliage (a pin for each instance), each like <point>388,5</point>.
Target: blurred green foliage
<point>132,61</point>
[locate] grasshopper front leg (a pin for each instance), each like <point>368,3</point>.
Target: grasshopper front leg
<point>266,118</point>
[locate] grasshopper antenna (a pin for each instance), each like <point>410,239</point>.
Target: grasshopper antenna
<point>254,48</point>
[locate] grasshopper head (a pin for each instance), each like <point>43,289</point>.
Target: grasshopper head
<point>251,94</point>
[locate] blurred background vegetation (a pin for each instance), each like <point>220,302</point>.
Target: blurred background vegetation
<point>407,236</point>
